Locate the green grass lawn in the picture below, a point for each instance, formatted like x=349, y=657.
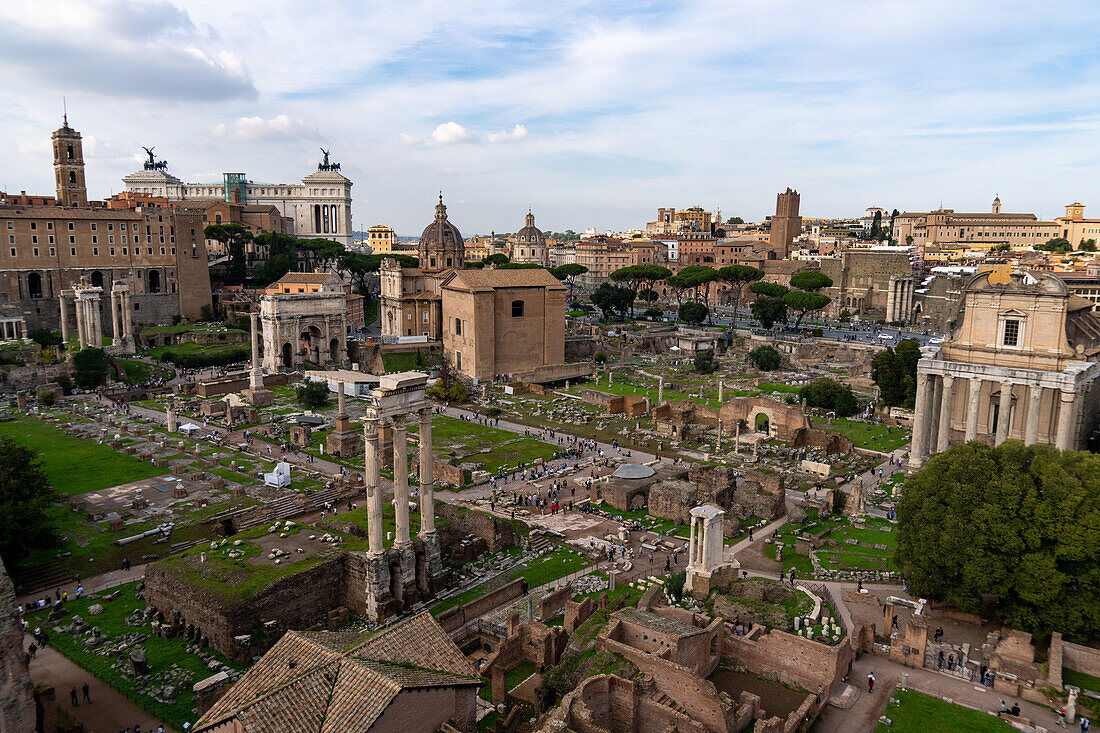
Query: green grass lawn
x=237, y=348
x=918, y=713
x=75, y=465
x=864, y=435
x=409, y=361
x=1080, y=679
x=139, y=371
x=162, y=655
x=465, y=441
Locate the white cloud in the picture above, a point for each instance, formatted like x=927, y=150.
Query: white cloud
x=411, y=140
x=519, y=132
x=452, y=132
x=257, y=129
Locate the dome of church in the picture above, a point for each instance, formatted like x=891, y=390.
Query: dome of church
x=530, y=235
x=441, y=235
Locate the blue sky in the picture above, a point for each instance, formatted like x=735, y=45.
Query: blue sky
x=590, y=113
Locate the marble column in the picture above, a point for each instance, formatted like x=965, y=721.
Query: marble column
x=256, y=376
x=973, y=408
x=400, y=480
x=127, y=314
x=64, y=321
x=719, y=429
x=691, y=542
x=1065, y=420
x=1035, y=403
x=921, y=419
x=374, y=489
x=1004, y=414
x=427, y=479
x=660, y=390
x=721, y=391
x=81, y=322
x=97, y=315
x=943, y=437
x=116, y=337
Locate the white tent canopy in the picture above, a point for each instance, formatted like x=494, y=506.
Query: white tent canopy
x=190, y=428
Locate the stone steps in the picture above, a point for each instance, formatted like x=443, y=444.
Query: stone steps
x=46, y=576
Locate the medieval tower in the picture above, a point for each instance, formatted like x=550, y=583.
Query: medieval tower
x=68, y=166
x=786, y=225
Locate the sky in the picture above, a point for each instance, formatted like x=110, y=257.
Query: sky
x=591, y=114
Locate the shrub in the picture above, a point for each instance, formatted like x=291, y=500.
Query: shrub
x=90, y=367
x=652, y=313
x=674, y=586
x=600, y=357
x=829, y=394
x=312, y=393
x=765, y=358
x=177, y=319
x=47, y=398
x=454, y=392
x=845, y=316
x=46, y=337
x=693, y=312
x=817, y=332
x=65, y=383
x=705, y=363
x=200, y=359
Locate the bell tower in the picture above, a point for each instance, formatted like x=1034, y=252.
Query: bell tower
x=68, y=166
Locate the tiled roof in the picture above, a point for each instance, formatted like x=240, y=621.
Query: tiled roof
x=488, y=279
x=305, y=277
x=340, y=681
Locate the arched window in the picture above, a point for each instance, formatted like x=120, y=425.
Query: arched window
x=517, y=309
x=217, y=218
x=72, y=177
x=69, y=152
x=34, y=285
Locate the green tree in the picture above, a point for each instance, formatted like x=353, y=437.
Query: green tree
x=324, y=253
x=25, y=499
x=771, y=290
x=1020, y=523
x=1058, y=245
x=312, y=393
x=90, y=367
x=611, y=298
x=765, y=358
x=811, y=280
x=693, y=312
x=496, y=260
x=46, y=337
x=737, y=276
x=282, y=256
x=636, y=276
x=359, y=268
x=735, y=220
x=1087, y=245
x=769, y=310
x=705, y=363
x=568, y=274
x=876, y=226
x=803, y=301
x=648, y=295
x=829, y=394
x=895, y=373
x=234, y=237
x=521, y=266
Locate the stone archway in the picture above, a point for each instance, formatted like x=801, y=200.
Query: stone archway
x=762, y=423
x=288, y=355
x=333, y=349
x=309, y=344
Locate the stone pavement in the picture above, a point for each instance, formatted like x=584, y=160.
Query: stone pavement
x=110, y=711
x=92, y=584
x=863, y=715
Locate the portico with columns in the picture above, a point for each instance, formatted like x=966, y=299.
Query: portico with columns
x=85, y=298
x=1022, y=365
x=707, y=566
x=411, y=569
x=122, y=323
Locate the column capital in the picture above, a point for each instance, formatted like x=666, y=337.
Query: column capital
x=1067, y=395
x=948, y=380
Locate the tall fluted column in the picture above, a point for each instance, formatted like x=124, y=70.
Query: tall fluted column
x=374, y=490
x=256, y=377
x=1035, y=403
x=921, y=419
x=943, y=438
x=660, y=390
x=972, y=409
x=691, y=542
x=1065, y=420
x=115, y=336
x=400, y=480
x=97, y=339
x=64, y=321
x=427, y=477
x=1004, y=413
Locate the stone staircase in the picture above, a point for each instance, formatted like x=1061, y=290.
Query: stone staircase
x=286, y=507
x=667, y=701
x=541, y=544
x=45, y=576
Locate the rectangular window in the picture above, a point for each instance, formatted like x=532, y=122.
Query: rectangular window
x=72, y=239
x=112, y=251
x=72, y=251
x=35, y=251
x=95, y=251
x=11, y=239
x=425, y=317
x=72, y=226
x=34, y=239
x=123, y=251
x=1012, y=333
x=93, y=226
x=52, y=251
x=34, y=225
x=95, y=239
x=13, y=251
x=50, y=238
x=124, y=239
x=110, y=227
x=110, y=239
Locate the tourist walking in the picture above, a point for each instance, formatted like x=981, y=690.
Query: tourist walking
x=85, y=692
x=76, y=701
x=870, y=682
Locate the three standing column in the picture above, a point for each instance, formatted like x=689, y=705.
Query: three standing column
x=1035, y=403
x=1065, y=421
x=921, y=421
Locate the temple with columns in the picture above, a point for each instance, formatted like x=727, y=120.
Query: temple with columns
x=1020, y=364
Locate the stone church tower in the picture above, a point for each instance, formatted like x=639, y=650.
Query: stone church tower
x=68, y=166
x=441, y=246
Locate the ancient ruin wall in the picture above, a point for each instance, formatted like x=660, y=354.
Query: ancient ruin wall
x=792, y=660
x=496, y=532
